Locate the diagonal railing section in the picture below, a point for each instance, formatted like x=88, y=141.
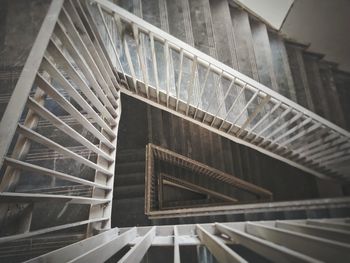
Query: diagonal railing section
x=65, y=104
x=168, y=73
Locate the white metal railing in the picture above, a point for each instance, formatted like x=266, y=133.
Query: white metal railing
x=83, y=56
x=322, y=240
x=68, y=85
x=168, y=73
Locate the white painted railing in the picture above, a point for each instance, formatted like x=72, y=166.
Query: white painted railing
x=68, y=84
x=84, y=55
x=325, y=240
x=168, y=73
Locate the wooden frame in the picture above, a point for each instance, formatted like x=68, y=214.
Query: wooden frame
x=155, y=181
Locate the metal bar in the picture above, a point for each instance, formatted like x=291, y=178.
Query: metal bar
x=55, y=74
x=111, y=40
x=127, y=54
x=316, y=143
x=32, y=135
x=22, y=146
x=296, y=117
x=243, y=110
x=334, y=149
x=167, y=71
x=65, y=104
x=290, y=131
x=221, y=252
x=24, y=84
x=280, y=117
x=76, y=249
x=136, y=253
x=44, y=171
x=79, y=44
x=192, y=81
x=155, y=67
x=233, y=105
x=104, y=251
x=177, y=256
x=337, y=160
x=223, y=101
x=47, y=230
x=85, y=14
x=78, y=59
x=179, y=79
x=329, y=158
x=96, y=211
x=15, y=197
x=267, y=249
x=44, y=113
x=268, y=114
x=217, y=84
x=202, y=90
x=321, y=144
x=141, y=57
x=85, y=36
x=302, y=243
x=59, y=57
x=333, y=234
x=254, y=114
x=328, y=224
x=297, y=136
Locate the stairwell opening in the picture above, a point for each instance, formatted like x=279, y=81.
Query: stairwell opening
x=142, y=124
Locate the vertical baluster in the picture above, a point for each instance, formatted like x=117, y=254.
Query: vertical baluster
x=155, y=67
x=141, y=57
x=127, y=52
x=271, y=111
x=191, y=86
x=179, y=78
x=233, y=105
x=223, y=100
x=111, y=39
x=217, y=84
x=202, y=90
x=243, y=110
x=167, y=70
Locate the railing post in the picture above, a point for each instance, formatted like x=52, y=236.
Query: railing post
x=24, y=84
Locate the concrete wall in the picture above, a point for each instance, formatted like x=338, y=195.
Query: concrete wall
x=325, y=24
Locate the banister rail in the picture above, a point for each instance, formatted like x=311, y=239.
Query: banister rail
x=170, y=74
x=68, y=83
x=24, y=84
x=85, y=54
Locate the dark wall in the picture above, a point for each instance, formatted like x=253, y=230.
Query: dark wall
x=141, y=124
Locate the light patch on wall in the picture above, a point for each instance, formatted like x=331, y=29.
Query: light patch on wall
x=272, y=12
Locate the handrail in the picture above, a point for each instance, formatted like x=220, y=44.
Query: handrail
x=272, y=123
x=215, y=64
x=24, y=84
x=66, y=77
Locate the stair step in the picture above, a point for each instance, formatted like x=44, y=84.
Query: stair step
x=130, y=167
x=130, y=191
x=129, y=179
x=131, y=155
